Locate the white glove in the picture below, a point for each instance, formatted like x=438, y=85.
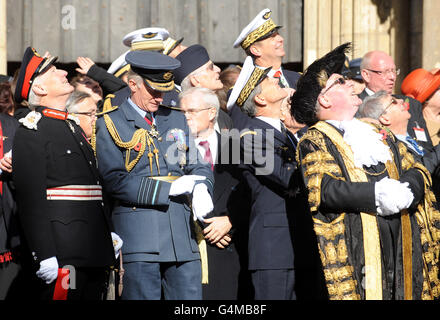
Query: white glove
x=184, y=184
x=117, y=243
x=392, y=196
x=201, y=202
x=48, y=270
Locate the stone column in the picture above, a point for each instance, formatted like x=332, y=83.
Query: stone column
x=368, y=24
x=431, y=31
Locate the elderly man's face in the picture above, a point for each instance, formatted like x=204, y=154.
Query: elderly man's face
x=342, y=97
x=272, y=92
x=200, y=117
x=86, y=113
x=209, y=76
x=395, y=112
x=145, y=97
x=381, y=73
x=55, y=82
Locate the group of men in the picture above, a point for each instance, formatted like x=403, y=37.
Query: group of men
x=185, y=200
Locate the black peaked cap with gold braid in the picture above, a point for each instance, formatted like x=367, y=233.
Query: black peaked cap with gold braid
x=156, y=68
x=313, y=80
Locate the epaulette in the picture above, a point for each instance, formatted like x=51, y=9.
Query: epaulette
x=248, y=132
x=31, y=120
x=107, y=107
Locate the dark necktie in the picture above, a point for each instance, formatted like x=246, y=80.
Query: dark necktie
x=416, y=146
x=286, y=134
x=149, y=118
x=208, y=155
x=278, y=76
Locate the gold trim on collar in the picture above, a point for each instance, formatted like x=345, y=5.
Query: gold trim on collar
x=262, y=30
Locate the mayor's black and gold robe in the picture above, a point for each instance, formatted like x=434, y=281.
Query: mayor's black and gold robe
x=364, y=255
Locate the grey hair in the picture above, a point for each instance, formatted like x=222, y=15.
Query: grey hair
x=186, y=82
x=249, y=105
x=372, y=106
x=365, y=63
x=131, y=75
x=33, y=99
x=207, y=95
x=75, y=98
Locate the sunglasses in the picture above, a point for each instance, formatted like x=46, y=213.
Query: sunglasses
x=342, y=80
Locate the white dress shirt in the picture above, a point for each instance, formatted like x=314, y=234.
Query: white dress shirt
x=213, y=145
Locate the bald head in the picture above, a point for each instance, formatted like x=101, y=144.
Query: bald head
x=378, y=71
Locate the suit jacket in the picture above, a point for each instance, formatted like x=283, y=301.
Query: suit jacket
x=9, y=233
x=291, y=77
x=224, y=266
x=56, y=154
x=270, y=227
x=416, y=120
x=154, y=226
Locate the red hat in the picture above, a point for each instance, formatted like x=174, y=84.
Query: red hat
x=420, y=84
x=31, y=66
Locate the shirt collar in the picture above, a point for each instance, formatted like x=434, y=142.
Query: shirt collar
x=276, y=123
x=368, y=91
x=135, y=107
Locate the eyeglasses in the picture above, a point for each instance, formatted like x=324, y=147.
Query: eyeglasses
x=392, y=103
x=91, y=114
x=194, y=111
x=341, y=81
x=386, y=72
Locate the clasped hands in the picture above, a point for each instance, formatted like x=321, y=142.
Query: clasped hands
x=392, y=196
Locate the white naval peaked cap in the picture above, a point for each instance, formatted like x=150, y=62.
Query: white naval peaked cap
x=261, y=26
x=146, y=39
x=250, y=76
x=119, y=66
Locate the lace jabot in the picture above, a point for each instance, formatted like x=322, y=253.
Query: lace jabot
x=365, y=142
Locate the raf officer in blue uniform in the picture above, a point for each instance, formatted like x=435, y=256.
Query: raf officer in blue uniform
x=153, y=171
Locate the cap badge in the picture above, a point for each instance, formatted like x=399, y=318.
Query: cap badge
x=167, y=76
x=36, y=53
x=267, y=15
x=149, y=35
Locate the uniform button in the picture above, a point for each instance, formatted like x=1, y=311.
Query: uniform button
x=97, y=182
x=81, y=143
x=169, y=173
x=160, y=138
x=102, y=203
x=288, y=168
x=166, y=156
x=90, y=162
x=68, y=152
x=134, y=208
